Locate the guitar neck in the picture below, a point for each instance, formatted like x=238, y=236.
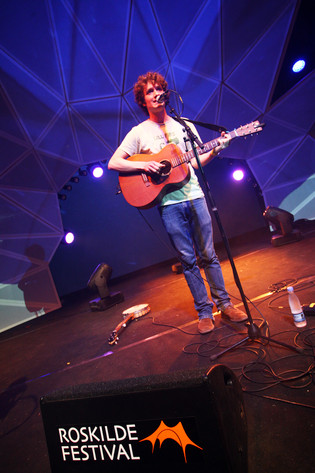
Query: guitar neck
x=187, y=157
x=114, y=335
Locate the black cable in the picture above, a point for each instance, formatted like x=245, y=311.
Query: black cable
x=289, y=378
x=286, y=401
x=266, y=370
x=282, y=291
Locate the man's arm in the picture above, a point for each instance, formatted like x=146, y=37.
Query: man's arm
x=207, y=157
x=119, y=162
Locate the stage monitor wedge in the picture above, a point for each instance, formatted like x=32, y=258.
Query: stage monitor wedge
x=185, y=421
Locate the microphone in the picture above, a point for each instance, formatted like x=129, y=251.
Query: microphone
x=163, y=96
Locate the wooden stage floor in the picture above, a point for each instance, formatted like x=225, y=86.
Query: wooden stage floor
x=70, y=347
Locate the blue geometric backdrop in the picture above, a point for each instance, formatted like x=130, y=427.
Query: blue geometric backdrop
x=67, y=72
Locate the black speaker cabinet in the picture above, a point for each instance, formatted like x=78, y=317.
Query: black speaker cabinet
x=188, y=421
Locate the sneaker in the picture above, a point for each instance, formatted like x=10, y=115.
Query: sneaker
x=205, y=325
x=233, y=314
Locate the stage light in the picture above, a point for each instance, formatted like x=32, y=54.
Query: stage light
x=99, y=280
x=62, y=196
x=238, y=174
x=75, y=179
x=82, y=172
x=282, y=221
x=298, y=66
x=96, y=170
x=67, y=187
x=69, y=238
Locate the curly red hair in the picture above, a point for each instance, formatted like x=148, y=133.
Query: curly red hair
x=140, y=85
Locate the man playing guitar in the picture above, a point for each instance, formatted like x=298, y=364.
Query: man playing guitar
x=182, y=205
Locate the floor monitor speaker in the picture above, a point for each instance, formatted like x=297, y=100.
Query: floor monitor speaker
x=183, y=422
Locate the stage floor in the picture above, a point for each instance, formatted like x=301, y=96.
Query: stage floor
x=70, y=347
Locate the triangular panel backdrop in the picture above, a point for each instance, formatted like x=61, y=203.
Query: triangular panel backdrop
x=67, y=73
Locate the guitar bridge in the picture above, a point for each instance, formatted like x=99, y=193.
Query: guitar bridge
x=145, y=179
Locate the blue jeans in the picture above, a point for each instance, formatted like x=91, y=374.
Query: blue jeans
x=189, y=227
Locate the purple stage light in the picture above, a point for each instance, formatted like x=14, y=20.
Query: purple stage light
x=238, y=174
x=69, y=238
x=97, y=171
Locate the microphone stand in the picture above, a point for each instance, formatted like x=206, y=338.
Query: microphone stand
x=254, y=331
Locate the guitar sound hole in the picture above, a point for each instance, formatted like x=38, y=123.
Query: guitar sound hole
x=163, y=174
x=166, y=169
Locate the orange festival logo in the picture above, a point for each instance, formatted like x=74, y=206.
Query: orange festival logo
x=177, y=433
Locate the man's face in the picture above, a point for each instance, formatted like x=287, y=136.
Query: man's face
x=151, y=93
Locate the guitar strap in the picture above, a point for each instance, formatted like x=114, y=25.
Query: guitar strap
x=210, y=126
x=165, y=132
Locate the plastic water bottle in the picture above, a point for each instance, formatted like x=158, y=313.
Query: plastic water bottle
x=296, y=309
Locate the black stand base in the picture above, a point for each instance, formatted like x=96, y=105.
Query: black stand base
x=254, y=333
x=278, y=240
x=107, y=302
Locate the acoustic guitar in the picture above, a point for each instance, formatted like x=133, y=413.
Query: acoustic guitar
x=144, y=190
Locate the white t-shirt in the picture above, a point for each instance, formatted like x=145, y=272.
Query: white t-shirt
x=150, y=137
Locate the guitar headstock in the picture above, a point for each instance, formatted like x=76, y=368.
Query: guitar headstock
x=250, y=128
x=113, y=338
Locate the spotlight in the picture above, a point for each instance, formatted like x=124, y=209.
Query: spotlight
x=62, y=196
x=82, y=172
x=69, y=238
x=99, y=280
x=282, y=221
x=96, y=170
x=238, y=175
x=67, y=187
x=298, y=66
x=75, y=179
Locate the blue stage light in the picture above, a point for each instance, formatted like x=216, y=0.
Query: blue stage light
x=96, y=171
x=298, y=65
